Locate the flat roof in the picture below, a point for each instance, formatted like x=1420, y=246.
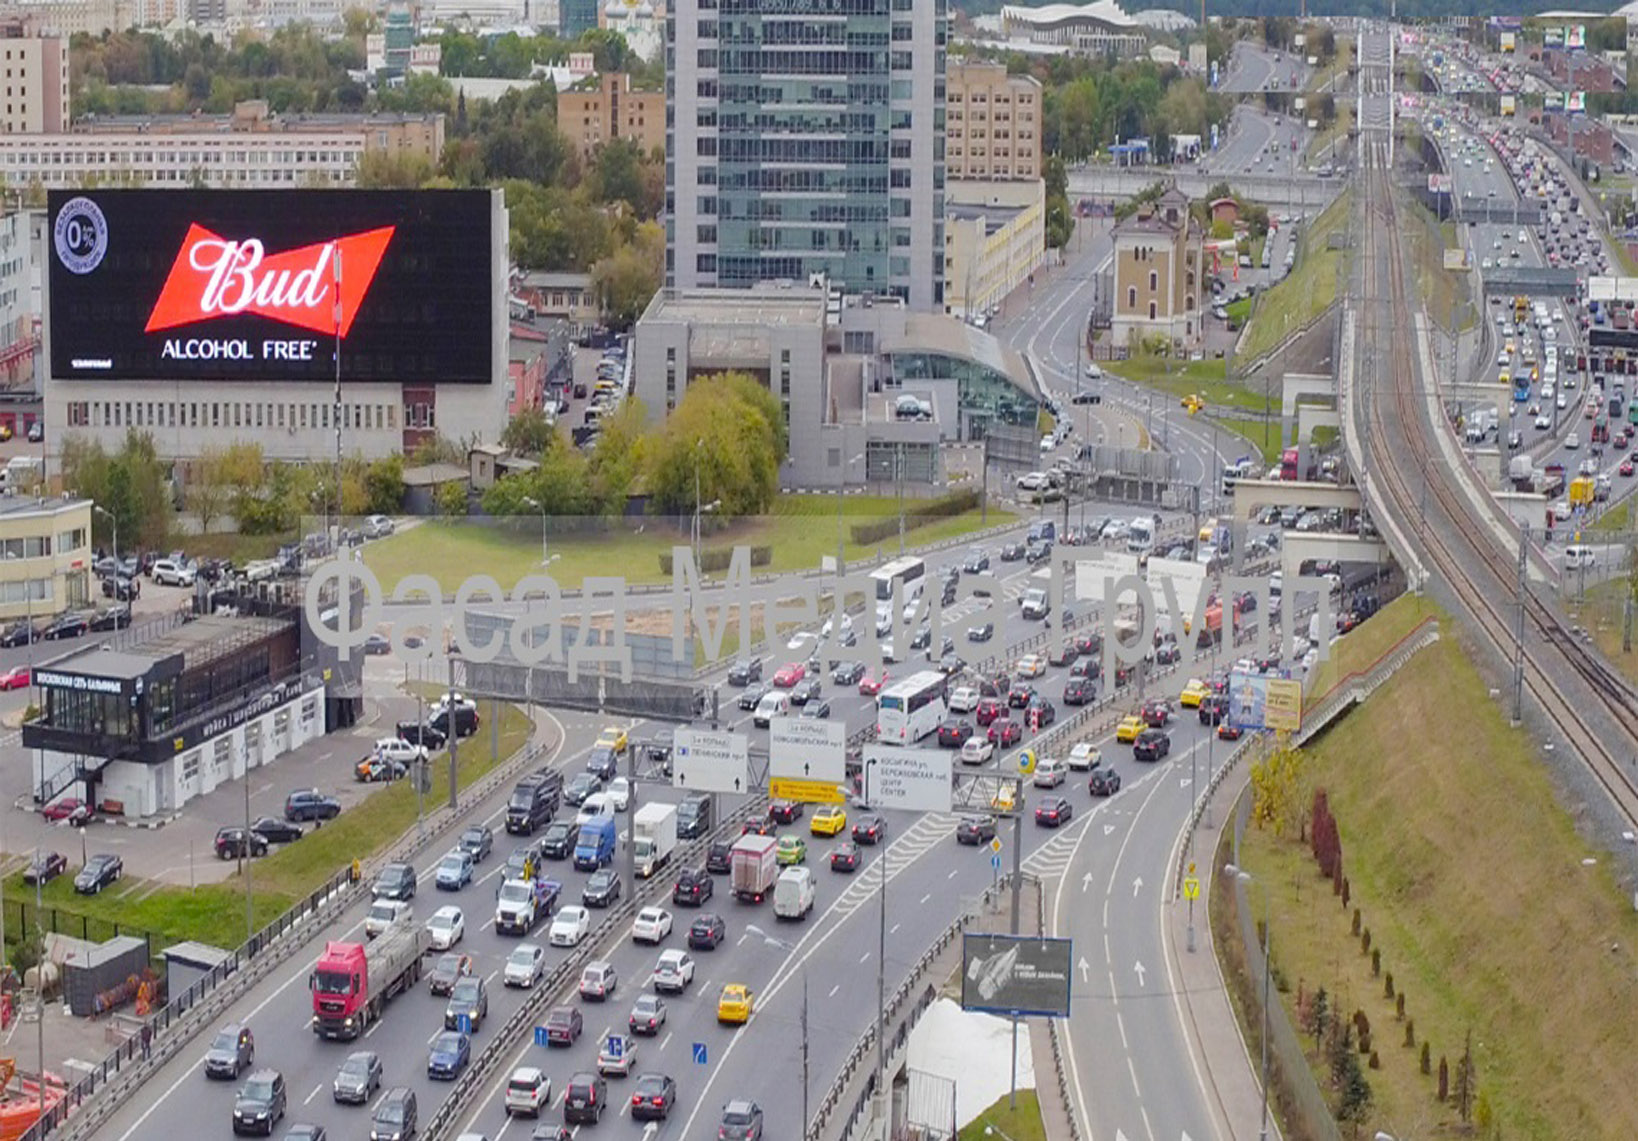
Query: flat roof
x=797, y=305
x=34, y=505
x=101, y=662
x=205, y=639
x=993, y=217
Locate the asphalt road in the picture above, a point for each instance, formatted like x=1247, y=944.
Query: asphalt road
x=1258, y=143
x=1254, y=68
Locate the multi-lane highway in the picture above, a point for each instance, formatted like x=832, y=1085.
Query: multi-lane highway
x=1254, y=67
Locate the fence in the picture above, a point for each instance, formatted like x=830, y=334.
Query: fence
x=89, y=1102
x=21, y=915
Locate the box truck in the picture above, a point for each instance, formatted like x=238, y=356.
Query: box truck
x=654, y=833
x=753, y=866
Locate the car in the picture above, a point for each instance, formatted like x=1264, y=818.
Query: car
x=982, y=632
x=870, y=830
x=763, y=827
x=953, y=732
x=231, y=843
x=1151, y=745
x=816, y=709
x=1079, y=691
x=1006, y=732
x=870, y=686
x=847, y=673
x=564, y=1026
x=310, y=804
x=114, y=617
x=446, y=927
x=231, y=1052
x=673, y=972
x=1129, y=728
x=451, y=968
x=791, y=850
x=741, y=1121
x=598, y=980
x=1103, y=781
x=454, y=870
x=977, y=751
x=602, y=888
x=1193, y=691
x=807, y=690
x=745, y=672
x=121, y=588
x=753, y=695
x=448, y=1055
x=477, y=841
x=602, y=762
x=828, y=820
x=570, y=925
x=581, y=786
x=648, y=1015
x=1228, y=731
x=988, y=711
x=260, y=1103
x=528, y=1091
x=652, y=1097
x=615, y=738
x=706, y=932
x=1040, y=712
x=469, y=1000
x=734, y=1004
x=99, y=872
x=525, y=965
x=585, y=1098
x=44, y=867
x=964, y=699
x=785, y=811
x=787, y=675
x=693, y=887
x=619, y=791
x=394, y=1117
x=358, y=1078
x=975, y=830
x=652, y=925
x=845, y=857
x=1020, y=695
x=1031, y=666
x=68, y=626
x=1156, y=712
x=719, y=858
x=1053, y=811
x=15, y=678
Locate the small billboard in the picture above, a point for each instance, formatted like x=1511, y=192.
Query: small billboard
x=1575, y=37
x=1264, y=701
x=1509, y=42
x=1016, y=974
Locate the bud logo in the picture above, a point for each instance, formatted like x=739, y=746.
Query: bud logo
x=215, y=277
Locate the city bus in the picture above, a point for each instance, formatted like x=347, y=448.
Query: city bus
x=1521, y=387
x=902, y=571
x=911, y=709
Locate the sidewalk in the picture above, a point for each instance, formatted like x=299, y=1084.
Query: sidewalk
x=1219, y=1053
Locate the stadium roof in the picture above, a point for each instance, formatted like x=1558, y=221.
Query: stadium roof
x=1101, y=11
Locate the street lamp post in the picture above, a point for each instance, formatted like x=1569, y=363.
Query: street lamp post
x=109, y=515
x=790, y=948
x=881, y=958
x=1268, y=948
x=841, y=542
x=540, y=507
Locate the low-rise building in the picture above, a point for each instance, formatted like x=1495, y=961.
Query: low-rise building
x=602, y=108
x=45, y=556
x=1100, y=28
x=1158, y=272
x=992, y=123
x=994, y=240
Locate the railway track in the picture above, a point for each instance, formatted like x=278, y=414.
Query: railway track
x=1477, y=569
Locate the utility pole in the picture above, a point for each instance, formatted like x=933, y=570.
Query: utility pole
x=454, y=738
x=1518, y=628
x=1017, y=888
x=244, y=853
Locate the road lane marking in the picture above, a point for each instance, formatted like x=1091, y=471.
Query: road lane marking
x=316, y=1090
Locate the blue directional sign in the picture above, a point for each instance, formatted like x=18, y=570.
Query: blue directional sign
x=995, y=862
x=540, y=1037
x=615, y=1047
x=463, y=1023
x=699, y=1053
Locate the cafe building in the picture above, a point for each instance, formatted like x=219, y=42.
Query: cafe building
x=140, y=729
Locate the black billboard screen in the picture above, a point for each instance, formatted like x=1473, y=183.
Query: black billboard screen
x=228, y=285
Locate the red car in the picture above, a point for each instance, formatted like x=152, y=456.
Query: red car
x=1625, y=469
x=871, y=686
x=1005, y=731
x=1156, y=712
x=988, y=710
x=17, y=676
x=1227, y=731
x=789, y=674
x=69, y=808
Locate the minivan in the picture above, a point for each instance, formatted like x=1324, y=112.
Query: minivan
x=1579, y=557
x=1042, y=529
x=694, y=816
x=394, y=1118
x=793, y=893
x=534, y=802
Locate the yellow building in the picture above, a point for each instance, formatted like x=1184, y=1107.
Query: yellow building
x=1158, y=272
x=604, y=107
x=45, y=556
x=994, y=239
x=992, y=123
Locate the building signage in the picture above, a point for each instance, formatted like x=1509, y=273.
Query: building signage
x=284, y=692
x=262, y=285
x=51, y=679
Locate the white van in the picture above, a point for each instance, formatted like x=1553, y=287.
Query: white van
x=776, y=704
x=595, y=805
x=793, y=894
x=1579, y=557
x=1140, y=536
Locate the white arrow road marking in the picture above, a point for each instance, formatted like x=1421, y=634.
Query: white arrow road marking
x=1185, y=782
x=1085, y=967
x=1137, y=886
x=1119, y=1136
x=1108, y=828
x=653, y=1127
x=1086, y=882
x=1138, y=967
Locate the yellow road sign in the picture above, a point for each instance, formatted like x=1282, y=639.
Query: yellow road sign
x=1191, y=887
x=805, y=791
x=1026, y=762
x=995, y=844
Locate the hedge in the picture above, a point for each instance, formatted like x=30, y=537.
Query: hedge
x=920, y=514
x=716, y=561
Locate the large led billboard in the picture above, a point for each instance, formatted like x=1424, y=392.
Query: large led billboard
x=226, y=285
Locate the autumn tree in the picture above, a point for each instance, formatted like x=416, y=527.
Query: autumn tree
x=132, y=485
x=729, y=433
x=627, y=279
x=1277, y=787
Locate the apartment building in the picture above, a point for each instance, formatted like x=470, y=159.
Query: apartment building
x=601, y=108
x=993, y=123
x=1159, y=262
x=35, y=81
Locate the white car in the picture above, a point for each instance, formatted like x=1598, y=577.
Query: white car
x=170, y=572
x=447, y=926
x=525, y=965
x=398, y=749
x=1084, y=756
x=1562, y=401
x=528, y=1092
x=963, y=699
x=976, y=750
x=569, y=926
x=377, y=526
x=674, y=972
x=1544, y=422
x=619, y=791
x=652, y=926
x=1572, y=441
x=595, y=805
x=1031, y=666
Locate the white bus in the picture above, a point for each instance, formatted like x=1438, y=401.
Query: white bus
x=906, y=571
x=911, y=709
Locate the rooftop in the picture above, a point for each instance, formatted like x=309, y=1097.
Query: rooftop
x=994, y=217
x=936, y=333
x=1099, y=11
x=200, y=642
x=776, y=305
x=29, y=505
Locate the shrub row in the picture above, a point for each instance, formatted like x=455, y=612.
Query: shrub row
x=716, y=561
x=919, y=514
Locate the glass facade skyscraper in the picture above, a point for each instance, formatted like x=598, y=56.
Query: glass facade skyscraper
x=807, y=137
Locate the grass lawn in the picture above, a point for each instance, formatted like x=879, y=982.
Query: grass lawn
x=1443, y=291
x=802, y=530
x=1602, y=614
x=1238, y=311
x=1491, y=912
x=1359, y=649
x=1239, y=437
x=1326, y=135
x=1307, y=291
x=215, y=913
x=231, y=545
x=1021, y=1124
x=1207, y=378
x=1617, y=518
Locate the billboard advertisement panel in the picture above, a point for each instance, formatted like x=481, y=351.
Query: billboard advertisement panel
x=1575, y=37
x=1575, y=102
x=1552, y=37
x=1509, y=104
x=1016, y=974
x=1264, y=701
x=226, y=285
x=1509, y=41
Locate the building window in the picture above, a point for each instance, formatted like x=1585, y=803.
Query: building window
x=1131, y=297
x=1152, y=311
x=1154, y=281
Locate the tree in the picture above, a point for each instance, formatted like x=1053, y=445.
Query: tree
x=528, y=433
x=1466, y=1081
x=207, y=492
x=617, y=461
x=728, y=429
x=384, y=484
x=451, y=498
x=379, y=170
x=627, y=279
x=132, y=485
x=1355, y=1103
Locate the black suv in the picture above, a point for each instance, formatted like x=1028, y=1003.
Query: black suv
x=745, y=671
x=693, y=887
x=310, y=804
x=395, y=881
x=422, y=733
x=260, y=1104
x=719, y=859
x=558, y=843
x=585, y=1098
x=394, y=1118
x=694, y=816
x=1151, y=745
x=230, y=843
x=466, y=720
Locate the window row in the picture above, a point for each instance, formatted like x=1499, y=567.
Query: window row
x=228, y=414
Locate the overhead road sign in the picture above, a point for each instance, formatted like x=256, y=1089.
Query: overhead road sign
x=1016, y=974
x=807, y=749
x=705, y=760
x=914, y=779
x=806, y=791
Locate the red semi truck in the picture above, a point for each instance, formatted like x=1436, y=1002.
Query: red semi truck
x=351, y=982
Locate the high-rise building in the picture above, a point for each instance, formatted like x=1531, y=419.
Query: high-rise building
x=577, y=17
x=36, y=82
x=807, y=138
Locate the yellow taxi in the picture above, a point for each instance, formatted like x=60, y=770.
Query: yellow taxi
x=829, y=820
x=1004, y=799
x=1129, y=728
x=1032, y=665
x=735, y=1004
x=1192, y=693
x=614, y=738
